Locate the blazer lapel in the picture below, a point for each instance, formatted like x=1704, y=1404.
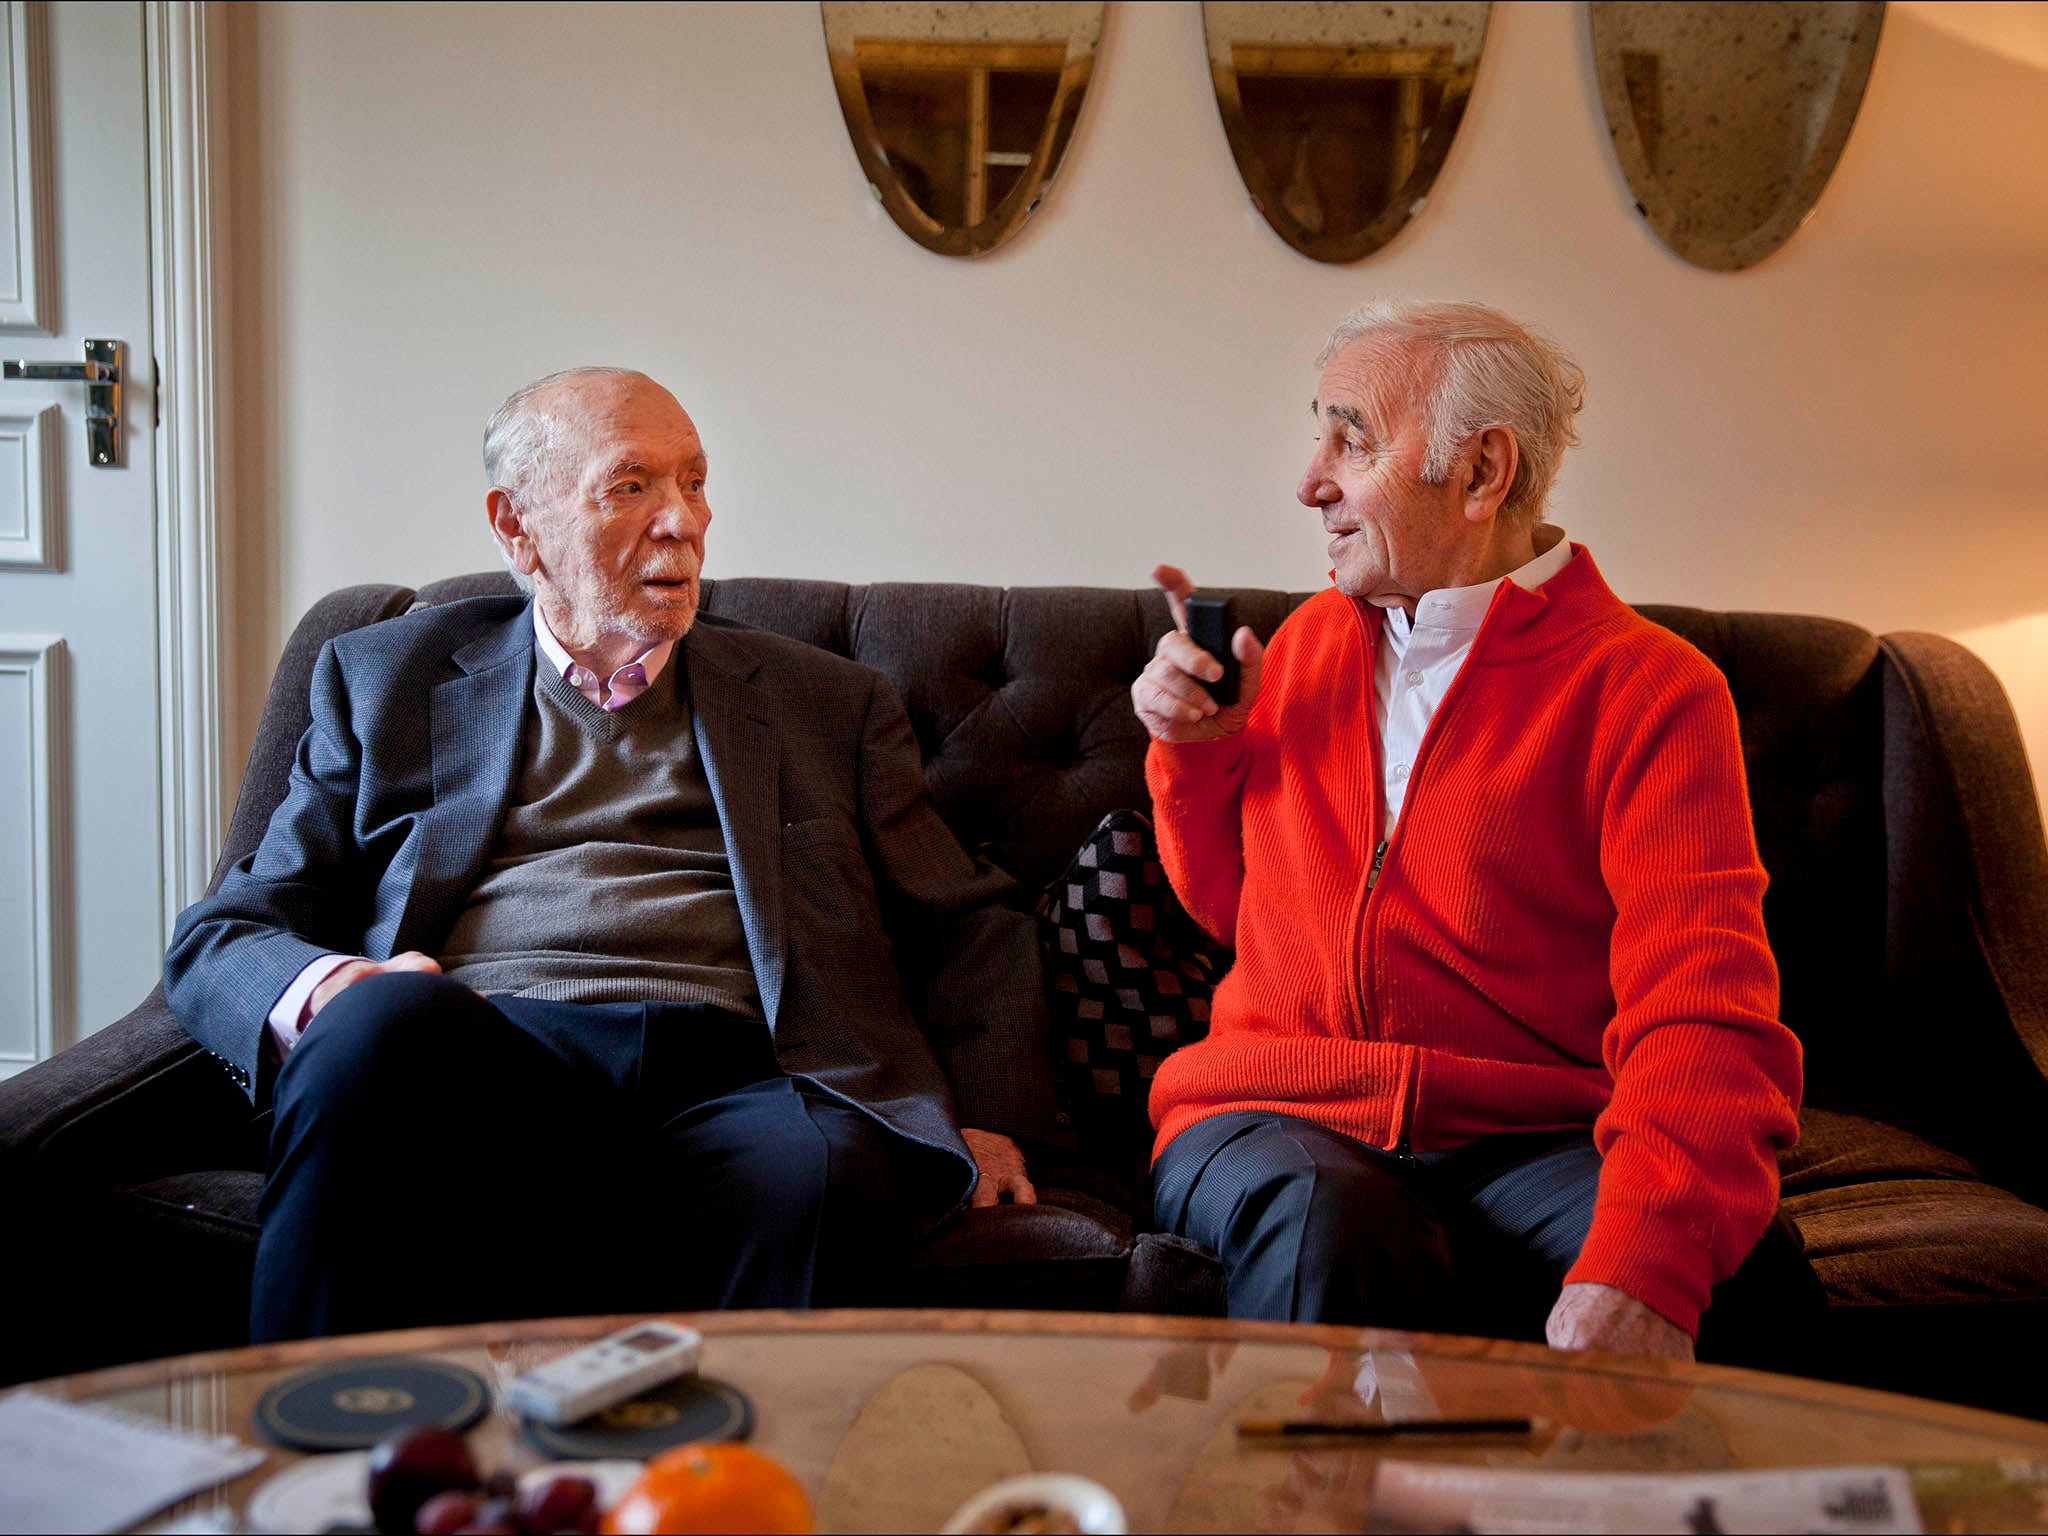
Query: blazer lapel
x=477, y=722
x=739, y=736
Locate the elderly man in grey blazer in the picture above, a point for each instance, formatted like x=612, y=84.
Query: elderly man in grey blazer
x=603, y=956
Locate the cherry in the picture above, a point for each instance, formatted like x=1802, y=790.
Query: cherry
x=446, y=1513
x=559, y=1504
x=409, y=1468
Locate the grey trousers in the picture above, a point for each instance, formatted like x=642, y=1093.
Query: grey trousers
x=1313, y=1226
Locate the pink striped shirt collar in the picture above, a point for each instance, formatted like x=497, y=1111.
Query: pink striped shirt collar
x=614, y=692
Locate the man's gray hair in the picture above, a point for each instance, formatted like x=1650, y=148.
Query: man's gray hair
x=520, y=436
x=1478, y=368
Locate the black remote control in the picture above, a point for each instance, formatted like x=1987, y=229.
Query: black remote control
x=1211, y=623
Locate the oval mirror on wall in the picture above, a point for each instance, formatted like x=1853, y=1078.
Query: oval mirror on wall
x=1339, y=115
x=1728, y=119
x=960, y=112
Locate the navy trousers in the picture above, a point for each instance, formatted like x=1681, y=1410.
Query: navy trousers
x=438, y=1158
x=1314, y=1226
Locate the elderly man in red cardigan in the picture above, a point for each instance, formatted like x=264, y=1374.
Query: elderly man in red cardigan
x=1500, y=1051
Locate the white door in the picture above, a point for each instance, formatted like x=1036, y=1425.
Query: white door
x=81, y=881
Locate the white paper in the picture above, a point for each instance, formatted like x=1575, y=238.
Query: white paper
x=73, y=1467
x=198, y=1522
x=1438, y=1496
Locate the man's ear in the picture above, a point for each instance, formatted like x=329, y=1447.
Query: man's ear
x=1495, y=455
x=508, y=528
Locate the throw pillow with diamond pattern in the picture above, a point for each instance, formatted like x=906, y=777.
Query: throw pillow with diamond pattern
x=1128, y=977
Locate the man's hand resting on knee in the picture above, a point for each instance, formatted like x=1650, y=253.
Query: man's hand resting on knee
x=1589, y=1316
x=345, y=976
x=1002, y=1169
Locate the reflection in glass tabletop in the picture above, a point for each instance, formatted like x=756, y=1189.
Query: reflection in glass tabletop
x=891, y=1420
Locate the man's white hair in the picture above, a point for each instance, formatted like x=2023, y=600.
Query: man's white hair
x=1478, y=368
x=519, y=440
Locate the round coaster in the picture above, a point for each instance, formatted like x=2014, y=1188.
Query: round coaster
x=689, y=1408
x=355, y=1403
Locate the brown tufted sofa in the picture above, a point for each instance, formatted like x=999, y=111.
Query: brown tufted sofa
x=1908, y=908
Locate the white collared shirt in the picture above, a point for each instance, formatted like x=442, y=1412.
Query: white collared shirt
x=1419, y=657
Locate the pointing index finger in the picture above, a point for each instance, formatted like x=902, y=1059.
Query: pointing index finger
x=1173, y=581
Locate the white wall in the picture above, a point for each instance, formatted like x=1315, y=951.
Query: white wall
x=437, y=203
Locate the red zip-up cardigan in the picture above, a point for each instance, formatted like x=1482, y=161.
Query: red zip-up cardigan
x=1564, y=928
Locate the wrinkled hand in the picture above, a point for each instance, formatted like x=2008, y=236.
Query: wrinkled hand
x=1002, y=1169
x=346, y=976
x=1589, y=1316
x=1168, y=695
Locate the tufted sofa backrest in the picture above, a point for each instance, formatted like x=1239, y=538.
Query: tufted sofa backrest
x=1020, y=702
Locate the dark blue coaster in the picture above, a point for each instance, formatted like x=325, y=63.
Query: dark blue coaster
x=688, y=1408
x=356, y=1403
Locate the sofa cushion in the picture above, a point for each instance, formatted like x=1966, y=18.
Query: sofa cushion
x=174, y=1260
x=1175, y=1276
x=1070, y=1252
x=1837, y=1149
x=1923, y=1241
x=1889, y=1218
x=1044, y=1257
x=222, y=1197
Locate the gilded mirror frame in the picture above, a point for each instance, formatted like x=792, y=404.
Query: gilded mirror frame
x=1413, y=192
x=1802, y=194
x=1076, y=63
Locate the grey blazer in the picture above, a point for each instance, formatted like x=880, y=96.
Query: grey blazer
x=891, y=972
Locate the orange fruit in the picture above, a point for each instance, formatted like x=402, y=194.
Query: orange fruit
x=697, y=1488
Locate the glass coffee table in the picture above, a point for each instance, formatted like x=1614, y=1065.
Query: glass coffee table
x=891, y=1420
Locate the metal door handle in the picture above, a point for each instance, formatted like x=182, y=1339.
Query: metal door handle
x=16, y=368
x=101, y=373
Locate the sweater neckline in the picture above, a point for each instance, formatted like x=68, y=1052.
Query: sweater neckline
x=667, y=695
x=1521, y=624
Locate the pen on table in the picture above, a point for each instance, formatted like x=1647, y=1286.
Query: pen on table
x=1357, y=1429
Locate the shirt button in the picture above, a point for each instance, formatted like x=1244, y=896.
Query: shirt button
x=1400, y=770
x=1414, y=679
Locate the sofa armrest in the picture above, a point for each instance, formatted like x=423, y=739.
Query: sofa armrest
x=1968, y=901
x=138, y=1100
